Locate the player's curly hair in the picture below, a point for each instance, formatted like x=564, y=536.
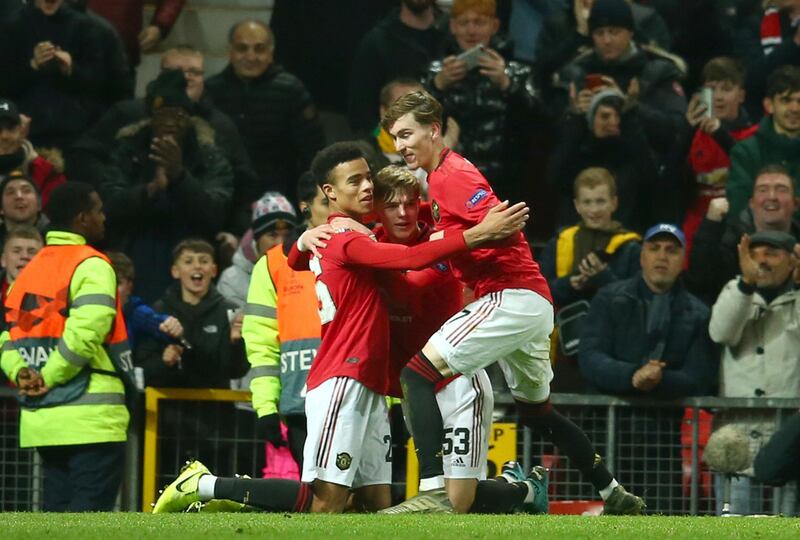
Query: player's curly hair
x=335, y=154
x=392, y=179
x=425, y=108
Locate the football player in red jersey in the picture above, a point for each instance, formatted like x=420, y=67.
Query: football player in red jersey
x=362, y=433
x=419, y=303
x=509, y=322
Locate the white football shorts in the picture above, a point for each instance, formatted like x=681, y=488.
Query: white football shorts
x=511, y=327
x=349, y=442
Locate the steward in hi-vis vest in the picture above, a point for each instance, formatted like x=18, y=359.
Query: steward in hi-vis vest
x=66, y=347
x=281, y=330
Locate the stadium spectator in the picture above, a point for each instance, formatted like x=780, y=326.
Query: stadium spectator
x=19, y=247
x=779, y=46
x=605, y=130
x=282, y=321
x=708, y=137
x=272, y=109
x=273, y=217
x=649, y=77
x=595, y=252
x=483, y=93
x=216, y=352
x=648, y=336
x=757, y=320
x=399, y=46
x=166, y=180
x=21, y=205
x=57, y=69
x=126, y=17
x=77, y=356
x=17, y=154
x=140, y=319
x=565, y=31
x=94, y=147
x=776, y=141
x=714, y=259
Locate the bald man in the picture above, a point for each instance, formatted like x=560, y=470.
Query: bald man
x=271, y=107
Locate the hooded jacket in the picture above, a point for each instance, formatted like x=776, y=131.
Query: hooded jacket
x=234, y=282
x=212, y=361
x=147, y=228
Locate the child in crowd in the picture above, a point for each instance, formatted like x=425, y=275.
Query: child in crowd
x=20, y=246
x=596, y=251
x=711, y=136
x=209, y=323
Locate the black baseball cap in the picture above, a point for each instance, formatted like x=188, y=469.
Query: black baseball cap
x=9, y=112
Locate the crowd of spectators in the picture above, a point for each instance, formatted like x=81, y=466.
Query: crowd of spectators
x=657, y=142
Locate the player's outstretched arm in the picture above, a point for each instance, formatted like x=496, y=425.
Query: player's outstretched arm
x=500, y=222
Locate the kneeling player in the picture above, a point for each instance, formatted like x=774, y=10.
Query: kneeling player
x=348, y=431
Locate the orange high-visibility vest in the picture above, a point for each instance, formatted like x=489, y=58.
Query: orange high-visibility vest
x=299, y=329
x=37, y=309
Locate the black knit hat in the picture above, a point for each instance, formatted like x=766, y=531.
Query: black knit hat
x=168, y=90
x=17, y=174
x=610, y=13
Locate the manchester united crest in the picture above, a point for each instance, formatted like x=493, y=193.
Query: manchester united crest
x=343, y=461
x=435, y=210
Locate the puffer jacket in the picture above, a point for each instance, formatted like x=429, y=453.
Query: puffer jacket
x=234, y=282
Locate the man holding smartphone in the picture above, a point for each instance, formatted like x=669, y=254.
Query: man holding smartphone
x=477, y=86
x=649, y=77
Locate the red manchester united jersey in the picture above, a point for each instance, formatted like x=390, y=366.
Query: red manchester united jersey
x=419, y=303
x=460, y=197
x=354, y=317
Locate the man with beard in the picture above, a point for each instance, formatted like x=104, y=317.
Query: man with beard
x=167, y=181
x=757, y=320
x=400, y=46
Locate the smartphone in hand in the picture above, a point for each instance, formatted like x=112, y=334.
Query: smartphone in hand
x=471, y=56
x=707, y=99
x=593, y=80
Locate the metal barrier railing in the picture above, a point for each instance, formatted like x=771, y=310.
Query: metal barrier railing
x=653, y=447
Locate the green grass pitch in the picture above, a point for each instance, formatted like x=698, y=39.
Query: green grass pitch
x=129, y=526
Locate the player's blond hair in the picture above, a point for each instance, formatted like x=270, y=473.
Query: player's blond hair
x=481, y=7
x=392, y=180
x=593, y=177
x=425, y=108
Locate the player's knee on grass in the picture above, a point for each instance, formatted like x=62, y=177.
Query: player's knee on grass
x=461, y=492
x=329, y=498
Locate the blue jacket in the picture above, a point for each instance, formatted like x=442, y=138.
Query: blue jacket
x=614, y=343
